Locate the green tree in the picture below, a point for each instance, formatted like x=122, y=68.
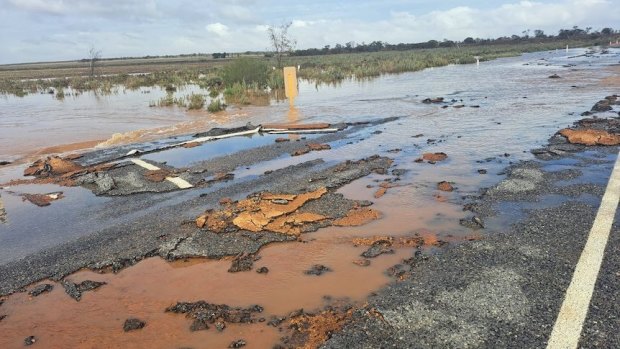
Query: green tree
x=281, y=42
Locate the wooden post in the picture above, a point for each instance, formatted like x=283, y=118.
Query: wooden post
x=290, y=84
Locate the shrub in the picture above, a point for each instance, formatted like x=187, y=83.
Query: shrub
x=249, y=71
x=196, y=101
x=167, y=101
x=216, y=105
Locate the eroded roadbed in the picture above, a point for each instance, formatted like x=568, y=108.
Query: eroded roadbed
x=166, y=232
x=228, y=259
x=505, y=291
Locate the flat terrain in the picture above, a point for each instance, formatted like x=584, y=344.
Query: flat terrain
x=443, y=208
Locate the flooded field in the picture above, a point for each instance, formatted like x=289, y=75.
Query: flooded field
x=490, y=117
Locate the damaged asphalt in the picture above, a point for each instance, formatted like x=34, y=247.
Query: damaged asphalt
x=502, y=291
x=170, y=232
x=505, y=291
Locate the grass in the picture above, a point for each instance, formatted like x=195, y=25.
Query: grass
x=216, y=105
x=246, y=80
x=330, y=69
x=196, y=101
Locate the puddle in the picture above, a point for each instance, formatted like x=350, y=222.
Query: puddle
x=184, y=157
x=146, y=289
x=487, y=138
x=30, y=228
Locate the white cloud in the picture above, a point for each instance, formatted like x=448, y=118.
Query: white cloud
x=36, y=30
x=218, y=29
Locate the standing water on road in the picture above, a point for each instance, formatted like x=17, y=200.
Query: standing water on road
x=491, y=115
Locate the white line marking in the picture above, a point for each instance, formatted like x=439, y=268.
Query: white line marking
x=278, y=131
x=178, y=181
x=210, y=138
x=145, y=164
x=567, y=329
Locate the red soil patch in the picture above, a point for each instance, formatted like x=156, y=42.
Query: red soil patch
x=445, y=186
x=590, y=137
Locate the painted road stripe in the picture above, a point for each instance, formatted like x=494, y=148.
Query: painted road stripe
x=145, y=164
x=322, y=130
x=569, y=324
x=210, y=138
x=178, y=181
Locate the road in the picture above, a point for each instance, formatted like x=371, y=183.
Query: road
x=507, y=290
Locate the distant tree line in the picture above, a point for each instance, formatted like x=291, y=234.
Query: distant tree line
x=219, y=55
x=527, y=36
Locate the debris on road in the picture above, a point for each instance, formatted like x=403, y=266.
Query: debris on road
x=432, y=157
x=436, y=100
x=75, y=290
x=318, y=270
x=362, y=262
x=260, y=213
x=3, y=218
x=42, y=200
x=40, y=289
x=378, y=248
x=28, y=341
x=242, y=262
x=590, y=137
x=237, y=344
x=52, y=166
x=445, y=186
x=312, y=330
x=358, y=216
x=204, y=314
x=133, y=324
x=311, y=147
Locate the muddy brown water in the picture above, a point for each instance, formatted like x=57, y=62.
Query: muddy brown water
x=519, y=108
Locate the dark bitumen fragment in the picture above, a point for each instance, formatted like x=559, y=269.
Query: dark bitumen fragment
x=203, y=314
x=238, y=344
x=317, y=269
x=75, y=290
x=275, y=321
x=40, y=289
x=133, y=324
x=242, y=262
x=262, y=270
x=28, y=341
x=378, y=248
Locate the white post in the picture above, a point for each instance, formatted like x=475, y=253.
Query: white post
x=566, y=48
x=477, y=60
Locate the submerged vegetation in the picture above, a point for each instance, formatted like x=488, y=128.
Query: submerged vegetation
x=254, y=79
x=216, y=105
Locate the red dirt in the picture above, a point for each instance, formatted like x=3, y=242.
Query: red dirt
x=445, y=186
x=42, y=200
x=156, y=175
x=265, y=212
x=358, y=216
x=590, y=137
x=434, y=156
x=190, y=145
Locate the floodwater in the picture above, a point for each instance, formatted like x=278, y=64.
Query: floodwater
x=509, y=106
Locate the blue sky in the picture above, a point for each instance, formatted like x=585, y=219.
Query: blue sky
x=48, y=30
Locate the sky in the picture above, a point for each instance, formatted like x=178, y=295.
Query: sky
x=52, y=30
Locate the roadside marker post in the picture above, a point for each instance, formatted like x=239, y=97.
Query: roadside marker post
x=290, y=84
